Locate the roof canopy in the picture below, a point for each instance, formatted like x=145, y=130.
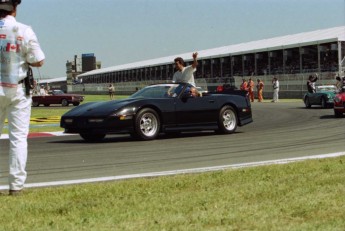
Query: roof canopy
x=277, y=43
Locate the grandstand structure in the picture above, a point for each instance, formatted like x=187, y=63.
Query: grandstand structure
x=290, y=58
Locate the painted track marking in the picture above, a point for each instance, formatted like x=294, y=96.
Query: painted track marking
x=176, y=172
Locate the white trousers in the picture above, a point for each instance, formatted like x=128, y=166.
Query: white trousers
x=275, y=95
x=17, y=110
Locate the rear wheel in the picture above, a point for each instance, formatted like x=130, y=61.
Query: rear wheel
x=147, y=124
x=35, y=103
x=64, y=102
x=89, y=137
x=227, y=121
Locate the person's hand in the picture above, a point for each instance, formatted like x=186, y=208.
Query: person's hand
x=195, y=55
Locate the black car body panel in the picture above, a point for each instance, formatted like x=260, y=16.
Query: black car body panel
x=179, y=112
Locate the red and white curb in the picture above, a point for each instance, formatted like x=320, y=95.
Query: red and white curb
x=39, y=134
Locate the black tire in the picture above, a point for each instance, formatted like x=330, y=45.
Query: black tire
x=147, y=124
x=35, y=103
x=76, y=104
x=307, y=102
x=338, y=114
x=64, y=102
x=90, y=137
x=46, y=104
x=227, y=120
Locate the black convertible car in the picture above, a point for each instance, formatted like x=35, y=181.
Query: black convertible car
x=166, y=108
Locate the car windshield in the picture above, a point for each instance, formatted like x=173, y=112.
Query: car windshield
x=159, y=91
x=325, y=88
x=56, y=92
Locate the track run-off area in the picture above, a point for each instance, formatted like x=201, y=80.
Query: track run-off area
x=281, y=132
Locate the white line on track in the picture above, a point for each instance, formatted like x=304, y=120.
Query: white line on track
x=182, y=171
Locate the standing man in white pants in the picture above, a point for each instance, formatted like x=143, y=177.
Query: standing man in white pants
x=19, y=49
x=275, y=84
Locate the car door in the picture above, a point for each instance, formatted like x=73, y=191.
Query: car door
x=316, y=98
x=193, y=111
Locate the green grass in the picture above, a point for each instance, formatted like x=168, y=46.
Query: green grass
x=299, y=196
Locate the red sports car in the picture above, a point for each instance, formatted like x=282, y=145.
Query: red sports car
x=57, y=97
x=339, y=104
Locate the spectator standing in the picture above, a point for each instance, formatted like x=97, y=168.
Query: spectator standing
x=244, y=85
x=111, y=90
x=275, y=85
x=260, y=89
x=23, y=51
x=250, y=87
x=185, y=74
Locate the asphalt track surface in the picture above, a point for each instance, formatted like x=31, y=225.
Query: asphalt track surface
x=279, y=130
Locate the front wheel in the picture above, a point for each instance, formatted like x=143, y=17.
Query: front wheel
x=307, y=102
x=227, y=121
x=76, y=103
x=90, y=137
x=323, y=103
x=147, y=124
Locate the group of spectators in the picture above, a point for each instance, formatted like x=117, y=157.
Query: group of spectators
x=249, y=87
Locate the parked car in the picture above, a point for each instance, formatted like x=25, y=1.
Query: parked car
x=57, y=97
x=166, y=108
x=339, y=104
x=323, y=96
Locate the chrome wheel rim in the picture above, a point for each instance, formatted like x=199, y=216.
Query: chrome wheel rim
x=148, y=124
x=229, y=120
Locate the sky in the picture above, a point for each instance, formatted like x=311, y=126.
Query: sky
x=127, y=31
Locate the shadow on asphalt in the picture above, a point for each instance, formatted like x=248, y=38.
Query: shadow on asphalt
x=127, y=138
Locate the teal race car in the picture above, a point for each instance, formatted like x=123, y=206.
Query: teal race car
x=324, y=96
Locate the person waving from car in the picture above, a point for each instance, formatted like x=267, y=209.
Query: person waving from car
x=185, y=74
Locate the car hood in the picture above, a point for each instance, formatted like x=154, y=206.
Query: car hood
x=341, y=95
x=99, y=108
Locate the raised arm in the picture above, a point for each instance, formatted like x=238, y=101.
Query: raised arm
x=195, y=60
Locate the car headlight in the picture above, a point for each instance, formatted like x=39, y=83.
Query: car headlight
x=337, y=99
x=125, y=114
x=330, y=96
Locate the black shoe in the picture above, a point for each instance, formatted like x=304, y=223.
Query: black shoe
x=15, y=192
